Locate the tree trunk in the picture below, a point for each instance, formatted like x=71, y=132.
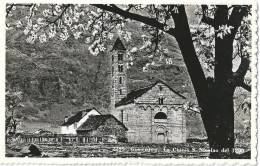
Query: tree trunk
x=221, y=106
x=215, y=97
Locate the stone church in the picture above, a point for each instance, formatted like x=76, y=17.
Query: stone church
x=152, y=114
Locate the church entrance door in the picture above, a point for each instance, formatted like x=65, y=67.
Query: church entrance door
x=161, y=138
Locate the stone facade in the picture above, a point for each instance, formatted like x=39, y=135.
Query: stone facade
x=150, y=122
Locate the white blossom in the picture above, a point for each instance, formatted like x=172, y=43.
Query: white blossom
x=26, y=31
x=94, y=32
x=46, y=12
x=145, y=69
x=52, y=32
x=110, y=36
x=77, y=35
x=127, y=36
x=166, y=51
x=134, y=49
x=68, y=20
x=64, y=35
x=168, y=61
x=31, y=38
x=42, y=38
x=19, y=24
x=36, y=27
x=87, y=40
x=40, y=21
x=58, y=8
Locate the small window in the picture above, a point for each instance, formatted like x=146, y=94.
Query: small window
x=120, y=80
x=120, y=68
x=112, y=58
x=120, y=57
x=161, y=88
x=160, y=100
x=120, y=91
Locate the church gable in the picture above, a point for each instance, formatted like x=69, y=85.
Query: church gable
x=152, y=94
x=160, y=94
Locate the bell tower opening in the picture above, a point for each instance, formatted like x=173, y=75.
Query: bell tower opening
x=118, y=72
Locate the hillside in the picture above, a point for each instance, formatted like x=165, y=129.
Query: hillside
x=58, y=78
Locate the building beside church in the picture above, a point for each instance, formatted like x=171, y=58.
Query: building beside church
x=153, y=114
x=71, y=124
x=90, y=123
x=103, y=126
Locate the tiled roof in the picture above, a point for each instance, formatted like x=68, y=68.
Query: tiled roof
x=139, y=92
x=94, y=121
x=76, y=117
x=118, y=45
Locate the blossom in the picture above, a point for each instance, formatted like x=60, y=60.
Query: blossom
x=26, y=31
x=77, y=35
x=42, y=38
x=18, y=24
x=87, y=40
x=58, y=8
x=94, y=32
x=64, y=35
x=145, y=69
x=68, y=20
x=46, y=12
x=168, y=61
x=134, y=49
x=31, y=38
x=40, y=21
x=52, y=32
x=36, y=27
x=110, y=36
x=127, y=36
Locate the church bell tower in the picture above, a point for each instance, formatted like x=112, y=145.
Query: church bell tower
x=118, y=72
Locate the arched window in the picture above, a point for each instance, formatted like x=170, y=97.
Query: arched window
x=160, y=115
x=161, y=88
x=120, y=80
x=120, y=68
x=120, y=57
x=160, y=100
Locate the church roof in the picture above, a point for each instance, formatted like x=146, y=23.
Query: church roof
x=77, y=117
x=139, y=92
x=118, y=45
x=94, y=121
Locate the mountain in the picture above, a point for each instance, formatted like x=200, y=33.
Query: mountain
x=58, y=78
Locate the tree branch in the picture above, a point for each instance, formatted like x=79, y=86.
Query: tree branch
x=8, y=9
x=146, y=20
x=243, y=68
x=239, y=75
x=60, y=16
x=245, y=86
x=205, y=18
x=236, y=17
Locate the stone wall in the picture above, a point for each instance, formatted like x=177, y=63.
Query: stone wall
x=139, y=117
x=110, y=127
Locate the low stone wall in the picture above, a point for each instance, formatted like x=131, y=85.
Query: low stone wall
x=61, y=138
